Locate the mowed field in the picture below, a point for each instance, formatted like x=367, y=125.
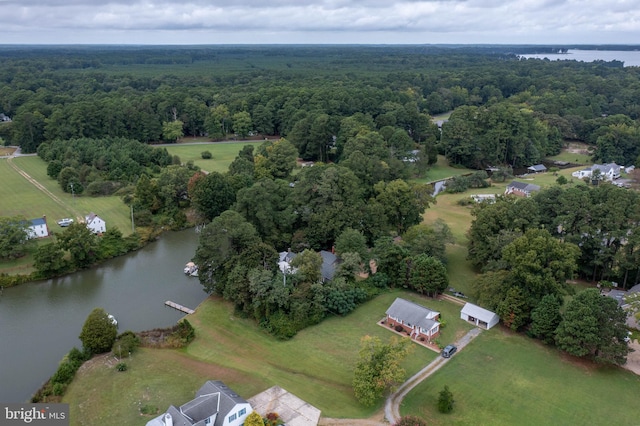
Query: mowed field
x=25, y=199
x=503, y=378
x=223, y=153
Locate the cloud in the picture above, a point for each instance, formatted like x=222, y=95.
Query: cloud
x=497, y=21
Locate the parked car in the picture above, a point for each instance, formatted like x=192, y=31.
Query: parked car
x=65, y=222
x=458, y=294
x=448, y=351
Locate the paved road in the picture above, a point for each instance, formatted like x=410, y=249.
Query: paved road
x=392, y=405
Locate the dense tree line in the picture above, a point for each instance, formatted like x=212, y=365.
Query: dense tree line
x=259, y=209
x=513, y=111
x=529, y=248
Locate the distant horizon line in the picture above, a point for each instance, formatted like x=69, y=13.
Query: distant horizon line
x=565, y=45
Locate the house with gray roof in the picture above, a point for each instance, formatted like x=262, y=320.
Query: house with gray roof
x=521, y=188
x=479, y=316
x=328, y=268
x=610, y=171
x=215, y=404
x=537, y=168
x=419, y=322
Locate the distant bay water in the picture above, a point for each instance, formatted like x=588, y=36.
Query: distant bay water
x=631, y=58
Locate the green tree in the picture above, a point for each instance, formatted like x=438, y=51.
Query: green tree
x=308, y=263
x=220, y=247
x=14, y=234
x=242, y=123
x=404, y=204
x=49, y=260
x=445, y=400
x=172, y=130
x=427, y=275
x=352, y=241
x=594, y=327
x=98, y=332
x=81, y=243
x=378, y=368
x=545, y=318
x=212, y=195
x=513, y=309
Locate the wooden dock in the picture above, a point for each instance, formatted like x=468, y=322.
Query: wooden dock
x=179, y=307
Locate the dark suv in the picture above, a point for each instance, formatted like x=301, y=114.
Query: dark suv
x=448, y=351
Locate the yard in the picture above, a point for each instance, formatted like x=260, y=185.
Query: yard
x=316, y=365
x=504, y=378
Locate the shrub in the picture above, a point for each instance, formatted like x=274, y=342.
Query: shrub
x=206, y=155
x=59, y=389
x=445, y=400
x=121, y=366
x=410, y=421
x=399, y=328
x=65, y=372
x=125, y=344
x=148, y=409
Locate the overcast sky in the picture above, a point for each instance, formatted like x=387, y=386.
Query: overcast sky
x=319, y=21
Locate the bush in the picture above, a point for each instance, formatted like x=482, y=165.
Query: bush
x=149, y=409
x=399, y=328
x=121, y=366
x=65, y=372
x=445, y=400
x=59, y=389
x=125, y=344
x=206, y=155
x=410, y=421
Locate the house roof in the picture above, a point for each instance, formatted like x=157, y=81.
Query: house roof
x=606, y=168
x=478, y=312
x=523, y=186
x=38, y=221
x=412, y=313
x=329, y=264
x=537, y=168
x=214, y=397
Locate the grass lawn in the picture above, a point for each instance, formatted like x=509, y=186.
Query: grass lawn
x=223, y=153
x=442, y=170
x=316, y=365
x=503, y=378
x=574, y=152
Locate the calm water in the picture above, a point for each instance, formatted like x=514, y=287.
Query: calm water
x=630, y=58
x=40, y=322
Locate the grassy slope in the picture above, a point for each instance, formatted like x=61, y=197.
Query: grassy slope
x=317, y=364
x=506, y=379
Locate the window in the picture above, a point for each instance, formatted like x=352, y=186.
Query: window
x=242, y=412
x=232, y=417
x=207, y=421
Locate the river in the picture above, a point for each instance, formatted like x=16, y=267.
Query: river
x=631, y=58
x=40, y=322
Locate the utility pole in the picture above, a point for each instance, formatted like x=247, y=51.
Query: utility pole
x=73, y=194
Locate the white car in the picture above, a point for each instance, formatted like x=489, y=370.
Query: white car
x=65, y=222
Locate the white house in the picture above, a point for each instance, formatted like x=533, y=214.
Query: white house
x=481, y=317
x=95, y=223
x=215, y=404
x=608, y=172
x=38, y=228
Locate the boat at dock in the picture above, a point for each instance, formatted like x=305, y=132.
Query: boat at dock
x=191, y=269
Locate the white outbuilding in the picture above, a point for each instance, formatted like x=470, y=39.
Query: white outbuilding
x=481, y=317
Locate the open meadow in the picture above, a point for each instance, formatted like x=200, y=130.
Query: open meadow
x=223, y=153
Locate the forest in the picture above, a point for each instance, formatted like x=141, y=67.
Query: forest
x=361, y=117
